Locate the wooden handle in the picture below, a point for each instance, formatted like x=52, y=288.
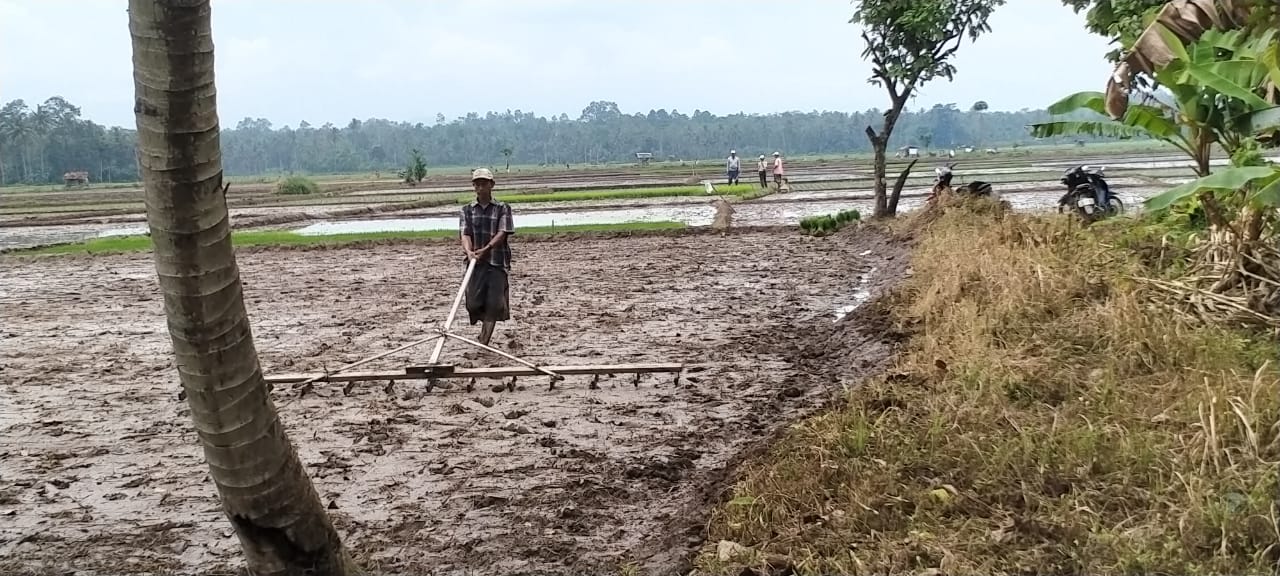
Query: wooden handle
x=457, y=300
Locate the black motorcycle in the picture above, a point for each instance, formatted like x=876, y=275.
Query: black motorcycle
x=942, y=182
x=1089, y=194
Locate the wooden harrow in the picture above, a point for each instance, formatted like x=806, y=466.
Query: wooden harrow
x=433, y=370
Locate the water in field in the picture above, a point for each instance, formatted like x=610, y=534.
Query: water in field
x=690, y=215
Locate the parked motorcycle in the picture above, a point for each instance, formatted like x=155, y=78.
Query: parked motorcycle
x=1089, y=194
x=942, y=184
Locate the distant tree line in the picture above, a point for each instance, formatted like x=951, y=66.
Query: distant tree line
x=38, y=144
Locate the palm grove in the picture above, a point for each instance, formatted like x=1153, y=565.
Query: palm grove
x=38, y=143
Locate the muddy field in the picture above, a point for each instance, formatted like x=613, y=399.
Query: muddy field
x=100, y=471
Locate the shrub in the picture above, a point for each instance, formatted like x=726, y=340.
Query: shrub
x=297, y=185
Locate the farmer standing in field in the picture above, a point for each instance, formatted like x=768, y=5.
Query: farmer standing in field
x=762, y=167
x=733, y=167
x=778, y=171
x=485, y=225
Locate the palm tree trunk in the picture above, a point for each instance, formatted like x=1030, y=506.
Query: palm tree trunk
x=265, y=492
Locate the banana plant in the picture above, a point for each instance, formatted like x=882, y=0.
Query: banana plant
x=1181, y=123
x=1238, y=73
x=1219, y=89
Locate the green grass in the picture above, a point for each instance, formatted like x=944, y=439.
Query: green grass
x=118, y=244
x=617, y=194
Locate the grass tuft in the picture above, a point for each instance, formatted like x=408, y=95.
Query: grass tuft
x=1044, y=417
x=117, y=244
x=295, y=185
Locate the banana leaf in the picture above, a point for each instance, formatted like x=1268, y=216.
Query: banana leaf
x=1079, y=101
x=1173, y=43
x=1210, y=77
x=1229, y=179
x=1152, y=121
x=1269, y=195
x=1103, y=129
x=1271, y=59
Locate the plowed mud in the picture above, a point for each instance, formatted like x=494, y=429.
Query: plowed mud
x=101, y=473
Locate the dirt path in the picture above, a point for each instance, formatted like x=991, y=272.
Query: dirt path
x=100, y=471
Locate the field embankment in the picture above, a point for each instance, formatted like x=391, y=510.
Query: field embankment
x=1044, y=416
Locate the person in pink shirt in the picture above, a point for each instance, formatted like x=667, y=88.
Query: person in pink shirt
x=778, y=171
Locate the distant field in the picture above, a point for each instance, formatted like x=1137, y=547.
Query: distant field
x=58, y=216
x=658, y=167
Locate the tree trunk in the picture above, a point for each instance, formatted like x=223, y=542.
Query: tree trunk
x=878, y=145
x=897, y=186
x=265, y=492
x=881, y=186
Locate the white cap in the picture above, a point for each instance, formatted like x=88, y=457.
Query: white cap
x=733, y=151
x=777, y=153
x=762, y=156
x=481, y=174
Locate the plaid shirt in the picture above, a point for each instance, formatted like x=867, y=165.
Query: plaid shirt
x=482, y=223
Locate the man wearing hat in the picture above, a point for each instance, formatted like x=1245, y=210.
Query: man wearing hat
x=733, y=167
x=763, y=168
x=485, y=225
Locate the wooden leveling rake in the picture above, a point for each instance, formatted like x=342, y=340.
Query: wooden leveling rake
x=433, y=370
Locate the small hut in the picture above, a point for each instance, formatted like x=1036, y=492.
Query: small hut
x=78, y=179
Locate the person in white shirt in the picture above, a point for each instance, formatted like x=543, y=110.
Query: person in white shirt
x=733, y=167
x=762, y=166
x=778, y=171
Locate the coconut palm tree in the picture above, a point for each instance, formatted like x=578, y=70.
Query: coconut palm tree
x=265, y=492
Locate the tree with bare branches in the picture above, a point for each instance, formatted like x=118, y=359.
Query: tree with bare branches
x=909, y=43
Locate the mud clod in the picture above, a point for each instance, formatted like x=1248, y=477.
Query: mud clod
x=517, y=428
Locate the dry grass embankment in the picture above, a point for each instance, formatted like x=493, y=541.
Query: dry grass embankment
x=1044, y=417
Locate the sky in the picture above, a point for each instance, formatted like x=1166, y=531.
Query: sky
x=331, y=61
